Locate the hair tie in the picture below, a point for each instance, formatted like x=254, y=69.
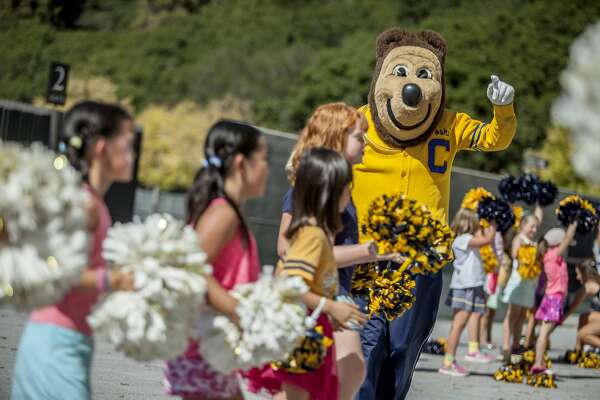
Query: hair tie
x=76, y=142
x=212, y=160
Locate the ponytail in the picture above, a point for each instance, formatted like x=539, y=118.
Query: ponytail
x=224, y=141
x=85, y=122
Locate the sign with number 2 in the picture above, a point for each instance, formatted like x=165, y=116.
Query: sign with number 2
x=56, y=92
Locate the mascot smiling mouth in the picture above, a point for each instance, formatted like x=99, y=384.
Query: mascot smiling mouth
x=397, y=123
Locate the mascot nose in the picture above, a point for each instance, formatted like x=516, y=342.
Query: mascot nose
x=411, y=94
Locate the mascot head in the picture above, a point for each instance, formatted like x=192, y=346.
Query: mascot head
x=407, y=95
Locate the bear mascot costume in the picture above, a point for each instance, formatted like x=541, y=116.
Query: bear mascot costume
x=411, y=144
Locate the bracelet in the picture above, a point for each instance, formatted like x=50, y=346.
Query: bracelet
x=311, y=320
x=107, y=285
x=103, y=280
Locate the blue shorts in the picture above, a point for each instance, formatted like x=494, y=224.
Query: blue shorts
x=52, y=363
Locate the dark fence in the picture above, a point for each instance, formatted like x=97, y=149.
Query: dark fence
x=26, y=124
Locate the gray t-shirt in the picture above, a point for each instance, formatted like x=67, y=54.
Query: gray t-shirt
x=468, y=267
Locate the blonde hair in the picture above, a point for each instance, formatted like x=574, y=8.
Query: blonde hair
x=465, y=221
x=328, y=127
x=526, y=219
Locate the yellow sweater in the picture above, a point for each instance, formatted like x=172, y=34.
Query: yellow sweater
x=422, y=172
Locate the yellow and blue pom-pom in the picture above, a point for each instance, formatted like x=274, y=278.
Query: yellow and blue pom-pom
x=489, y=258
x=529, y=186
x=401, y=225
x=363, y=277
x=509, y=189
x=309, y=355
x=510, y=373
x=541, y=380
x=589, y=360
x=474, y=196
x=547, y=193
x=574, y=208
x=391, y=294
x=529, y=265
x=498, y=211
x=518, y=211
x=437, y=347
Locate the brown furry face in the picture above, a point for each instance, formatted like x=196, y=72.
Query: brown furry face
x=408, y=93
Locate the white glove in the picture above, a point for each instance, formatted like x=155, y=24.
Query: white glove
x=500, y=93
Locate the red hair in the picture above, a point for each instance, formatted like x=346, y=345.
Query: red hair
x=328, y=126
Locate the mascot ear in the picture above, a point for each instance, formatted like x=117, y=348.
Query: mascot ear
x=436, y=41
x=389, y=39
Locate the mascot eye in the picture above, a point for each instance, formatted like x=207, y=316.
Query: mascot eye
x=400, y=70
x=424, y=73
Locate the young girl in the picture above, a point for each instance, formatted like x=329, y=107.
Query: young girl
x=519, y=293
x=466, y=296
x=55, y=353
x=338, y=127
x=321, y=193
x=551, y=250
x=491, y=290
x=589, y=333
x=586, y=273
x=235, y=170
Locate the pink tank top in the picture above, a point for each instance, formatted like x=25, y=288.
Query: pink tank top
x=71, y=312
x=236, y=263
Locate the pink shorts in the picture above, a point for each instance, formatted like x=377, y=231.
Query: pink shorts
x=190, y=375
x=551, y=308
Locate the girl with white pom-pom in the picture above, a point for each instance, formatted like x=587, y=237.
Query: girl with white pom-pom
x=235, y=170
x=321, y=193
x=55, y=352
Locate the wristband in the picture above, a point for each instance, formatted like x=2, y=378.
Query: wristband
x=102, y=280
x=311, y=320
x=107, y=285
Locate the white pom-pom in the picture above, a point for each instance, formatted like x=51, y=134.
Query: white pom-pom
x=43, y=233
x=272, y=322
x=156, y=320
x=578, y=107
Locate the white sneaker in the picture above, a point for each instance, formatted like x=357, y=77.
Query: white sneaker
x=479, y=357
x=454, y=369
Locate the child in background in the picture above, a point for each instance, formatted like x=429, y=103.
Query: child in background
x=587, y=274
x=56, y=349
x=321, y=193
x=235, y=170
x=466, y=296
x=491, y=289
x=519, y=293
x=589, y=334
x=551, y=250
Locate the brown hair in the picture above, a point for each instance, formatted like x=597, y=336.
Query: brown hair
x=328, y=127
x=587, y=270
x=465, y=221
x=323, y=174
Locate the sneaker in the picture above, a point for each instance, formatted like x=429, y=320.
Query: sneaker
x=454, y=369
x=541, y=370
x=479, y=357
x=490, y=347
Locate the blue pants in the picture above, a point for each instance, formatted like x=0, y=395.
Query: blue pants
x=53, y=363
x=392, y=349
